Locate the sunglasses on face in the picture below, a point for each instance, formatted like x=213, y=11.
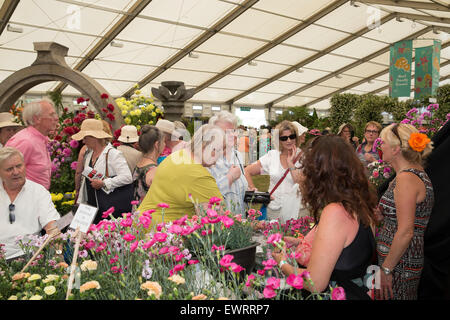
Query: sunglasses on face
x=292, y=137
x=12, y=216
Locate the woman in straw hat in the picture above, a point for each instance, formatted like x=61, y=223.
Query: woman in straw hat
x=346, y=132
x=105, y=168
x=80, y=161
x=8, y=127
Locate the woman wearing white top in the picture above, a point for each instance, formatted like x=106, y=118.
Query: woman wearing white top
x=286, y=199
x=119, y=173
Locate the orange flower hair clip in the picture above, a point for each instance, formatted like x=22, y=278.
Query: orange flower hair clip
x=418, y=141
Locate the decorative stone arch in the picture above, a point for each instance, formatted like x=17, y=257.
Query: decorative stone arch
x=50, y=65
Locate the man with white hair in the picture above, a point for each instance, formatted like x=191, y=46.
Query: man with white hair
x=41, y=119
x=26, y=207
x=228, y=170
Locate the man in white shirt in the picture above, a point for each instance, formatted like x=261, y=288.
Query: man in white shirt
x=26, y=207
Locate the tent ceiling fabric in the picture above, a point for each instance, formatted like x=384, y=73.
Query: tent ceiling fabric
x=302, y=51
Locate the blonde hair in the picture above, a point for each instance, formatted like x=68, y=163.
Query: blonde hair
x=287, y=125
x=375, y=124
x=404, y=133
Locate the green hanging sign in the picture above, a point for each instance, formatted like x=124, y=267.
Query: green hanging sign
x=400, y=69
x=426, y=75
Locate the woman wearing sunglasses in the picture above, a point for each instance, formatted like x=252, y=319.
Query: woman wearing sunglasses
x=286, y=200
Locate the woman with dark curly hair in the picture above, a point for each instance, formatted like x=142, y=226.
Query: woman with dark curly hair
x=336, y=191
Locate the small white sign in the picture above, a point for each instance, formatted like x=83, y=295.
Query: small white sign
x=83, y=217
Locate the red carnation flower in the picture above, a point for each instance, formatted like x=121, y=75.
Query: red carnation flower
x=104, y=96
x=116, y=144
x=91, y=114
x=58, y=138
x=105, y=110
x=111, y=116
x=117, y=133
x=110, y=107
x=69, y=131
x=80, y=100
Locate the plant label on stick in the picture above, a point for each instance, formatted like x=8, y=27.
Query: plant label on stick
x=83, y=217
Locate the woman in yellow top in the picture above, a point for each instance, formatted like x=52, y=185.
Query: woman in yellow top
x=182, y=179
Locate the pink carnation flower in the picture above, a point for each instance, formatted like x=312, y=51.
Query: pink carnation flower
x=273, y=282
x=134, y=246
x=226, y=260
x=295, y=281
x=160, y=237
x=129, y=237
x=274, y=238
x=163, y=205
x=108, y=212
x=269, y=293
x=338, y=294
x=250, y=279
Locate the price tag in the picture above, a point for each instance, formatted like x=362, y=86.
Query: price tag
x=83, y=217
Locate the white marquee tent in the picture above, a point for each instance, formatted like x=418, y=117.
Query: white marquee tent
x=266, y=53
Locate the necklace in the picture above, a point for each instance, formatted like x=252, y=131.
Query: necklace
x=149, y=158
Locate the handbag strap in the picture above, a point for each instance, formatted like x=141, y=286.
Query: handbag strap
x=285, y=174
x=106, y=161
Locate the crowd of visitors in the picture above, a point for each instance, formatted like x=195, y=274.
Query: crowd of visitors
x=164, y=170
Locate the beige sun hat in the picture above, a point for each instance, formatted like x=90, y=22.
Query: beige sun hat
x=6, y=120
x=165, y=126
x=128, y=134
x=91, y=127
x=343, y=126
x=300, y=129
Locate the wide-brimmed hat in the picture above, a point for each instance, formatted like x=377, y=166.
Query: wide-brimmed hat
x=91, y=127
x=6, y=120
x=128, y=134
x=165, y=126
x=300, y=129
x=343, y=126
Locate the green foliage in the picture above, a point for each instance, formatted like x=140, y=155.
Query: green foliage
x=342, y=109
x=369, y=109
x=302, y=115
x=443, y=99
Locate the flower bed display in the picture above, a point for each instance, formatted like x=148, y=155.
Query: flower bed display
x=125, y=258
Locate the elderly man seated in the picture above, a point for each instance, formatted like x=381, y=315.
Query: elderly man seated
x=26, y=207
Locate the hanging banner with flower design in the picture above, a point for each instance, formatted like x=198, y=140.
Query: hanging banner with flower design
x=400, y=69
x=426, y=74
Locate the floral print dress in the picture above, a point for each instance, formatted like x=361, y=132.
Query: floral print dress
x=406, y=274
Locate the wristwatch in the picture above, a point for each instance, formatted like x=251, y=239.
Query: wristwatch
x=386, y=271
x=282, y=262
